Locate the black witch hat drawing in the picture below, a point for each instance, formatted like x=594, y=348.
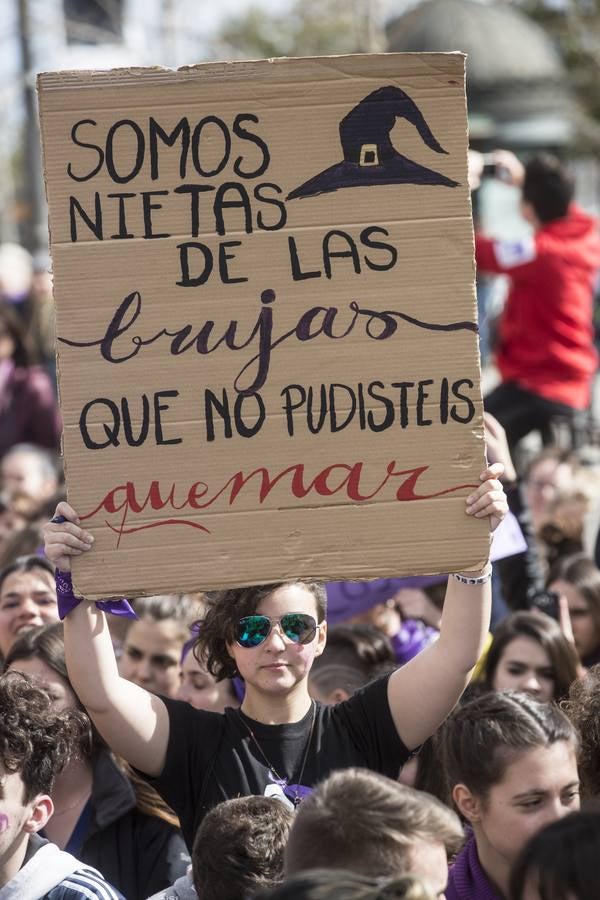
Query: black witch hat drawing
x=370, y=158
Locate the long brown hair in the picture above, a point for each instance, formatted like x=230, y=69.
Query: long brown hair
x=583, y=574
x=22, y=355
x=548, y=634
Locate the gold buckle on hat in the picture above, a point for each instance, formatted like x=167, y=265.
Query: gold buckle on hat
x=368, y=149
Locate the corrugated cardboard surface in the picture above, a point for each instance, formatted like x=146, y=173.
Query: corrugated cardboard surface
x=179, y=516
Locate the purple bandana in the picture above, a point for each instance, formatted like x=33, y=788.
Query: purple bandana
x=67, y=600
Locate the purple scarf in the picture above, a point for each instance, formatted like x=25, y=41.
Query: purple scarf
x=467, y=880
x=67, y=600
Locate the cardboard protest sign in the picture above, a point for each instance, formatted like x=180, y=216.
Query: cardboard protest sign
x=267, y=341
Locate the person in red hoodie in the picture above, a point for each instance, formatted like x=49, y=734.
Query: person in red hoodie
x=545, y=353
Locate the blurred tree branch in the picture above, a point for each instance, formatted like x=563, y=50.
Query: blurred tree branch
x=574, y=25
x=307, y=28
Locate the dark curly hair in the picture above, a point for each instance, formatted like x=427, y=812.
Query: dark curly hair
x=47, y=643
x=35, y=741
x=583, y=709
x=223, y=611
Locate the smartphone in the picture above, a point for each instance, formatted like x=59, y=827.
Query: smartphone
x=547, y=602
x=491, y=169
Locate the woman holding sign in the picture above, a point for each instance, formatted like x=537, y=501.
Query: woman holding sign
x=280, y=742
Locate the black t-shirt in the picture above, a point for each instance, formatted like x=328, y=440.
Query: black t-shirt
x=211, y=757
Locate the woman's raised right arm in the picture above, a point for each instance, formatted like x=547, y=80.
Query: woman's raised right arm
x=133, y=722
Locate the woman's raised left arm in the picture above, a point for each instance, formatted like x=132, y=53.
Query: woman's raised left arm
x=424, y=691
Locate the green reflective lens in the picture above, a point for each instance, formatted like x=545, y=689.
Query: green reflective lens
x=252, y=630
x=299, y=628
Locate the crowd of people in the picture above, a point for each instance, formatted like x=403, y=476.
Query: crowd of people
x=436, y=738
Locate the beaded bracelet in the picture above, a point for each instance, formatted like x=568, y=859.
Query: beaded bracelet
x=478, y=579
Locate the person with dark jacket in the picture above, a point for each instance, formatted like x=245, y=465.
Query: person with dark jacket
x=104, y=816
x=36, y=742
x=546, y=353
x=138, y=850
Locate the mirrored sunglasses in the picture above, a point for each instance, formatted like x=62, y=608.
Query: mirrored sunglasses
x=297, y=627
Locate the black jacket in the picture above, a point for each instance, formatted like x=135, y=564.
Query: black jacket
x=138, y=853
